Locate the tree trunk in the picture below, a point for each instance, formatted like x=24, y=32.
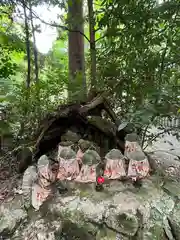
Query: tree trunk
x=27, y=46
x=92, y=43
x=77, y=81
x=36, y=69
x=34, y=46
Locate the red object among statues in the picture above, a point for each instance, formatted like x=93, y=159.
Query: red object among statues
x=100, y=180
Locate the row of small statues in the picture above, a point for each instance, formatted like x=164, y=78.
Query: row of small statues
x=83, y=167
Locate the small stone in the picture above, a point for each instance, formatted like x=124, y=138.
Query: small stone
x=84, y=144
x=88, y=145
x=122, y=221
x=70, y=136
x=9, y=218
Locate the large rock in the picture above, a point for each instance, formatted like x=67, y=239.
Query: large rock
x=174, y=220
x=118, y=212
x=123, y=222
x=164, y=142
x=165, y=164
x=172, y=188
x=11, y=215
x=39, y=229
x=71, y=231
x=124, y=212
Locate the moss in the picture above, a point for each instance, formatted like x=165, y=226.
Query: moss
x=88, y=191
x=84, y=194
x=106, y=234
x=128, y=223
x=78, y=218
x=172, y=188
x=72, y=231
x=156, y=232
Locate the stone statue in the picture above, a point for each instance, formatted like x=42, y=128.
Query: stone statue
x=138, y=162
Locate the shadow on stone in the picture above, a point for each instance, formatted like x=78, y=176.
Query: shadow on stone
x=71, y=231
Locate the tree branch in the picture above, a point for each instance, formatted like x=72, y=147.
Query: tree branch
x=57, y=25
x=100, y=38
x=159, y=134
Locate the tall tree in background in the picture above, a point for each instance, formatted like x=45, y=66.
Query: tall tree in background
x=76, y=49
x=35, y=51
x=92, y=42
x=134, y=59
x=27, y=44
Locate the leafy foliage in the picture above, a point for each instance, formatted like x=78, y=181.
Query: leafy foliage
x=138, y=65
x=140, y=48
x=26, y=107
